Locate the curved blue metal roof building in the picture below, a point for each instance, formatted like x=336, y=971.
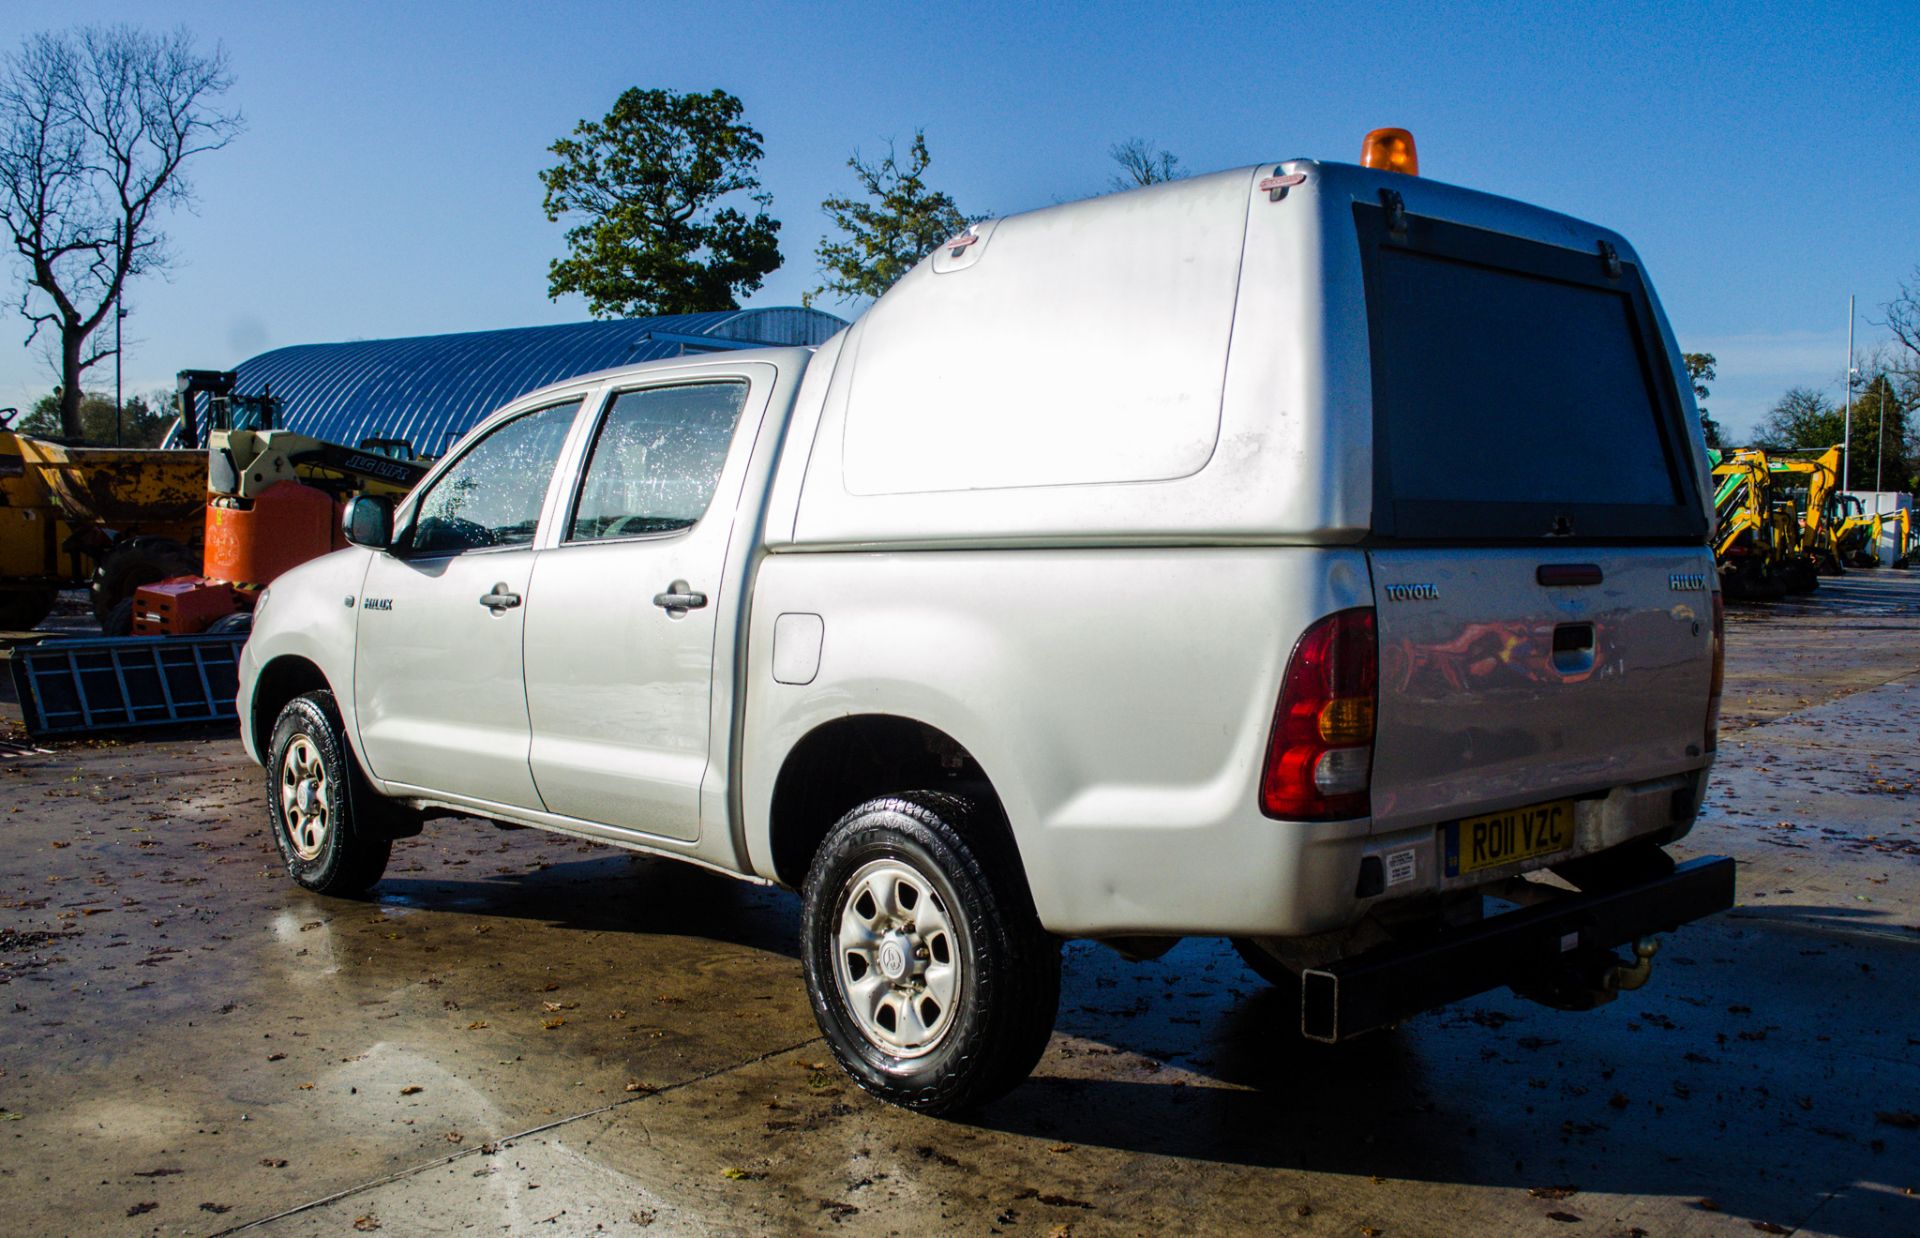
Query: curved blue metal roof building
x=431, y=389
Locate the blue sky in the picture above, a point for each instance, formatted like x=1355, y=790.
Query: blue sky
x=1763, y=158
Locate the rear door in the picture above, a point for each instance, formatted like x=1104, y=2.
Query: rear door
x=1540, y=570
x=622, y=613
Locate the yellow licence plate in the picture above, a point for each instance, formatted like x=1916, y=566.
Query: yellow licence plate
x=1507, y=837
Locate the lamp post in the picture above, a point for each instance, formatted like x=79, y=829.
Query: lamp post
x=119, y=314
x=1846, y=435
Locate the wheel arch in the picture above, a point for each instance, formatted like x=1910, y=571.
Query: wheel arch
x=847, y=761
x=279, y=681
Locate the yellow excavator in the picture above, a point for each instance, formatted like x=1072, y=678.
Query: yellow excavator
x=110, y=517
x=1761, y=542
x=1811, y=480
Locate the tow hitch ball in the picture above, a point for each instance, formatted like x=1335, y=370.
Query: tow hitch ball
x=1592, y=979
x=1622, y=977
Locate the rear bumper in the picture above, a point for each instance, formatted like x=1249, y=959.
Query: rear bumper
x=1388, y=983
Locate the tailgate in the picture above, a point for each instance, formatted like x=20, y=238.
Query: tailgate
x=1498, y=690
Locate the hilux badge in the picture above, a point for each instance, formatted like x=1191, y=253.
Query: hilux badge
x=1687, y=582
x=1413, y=593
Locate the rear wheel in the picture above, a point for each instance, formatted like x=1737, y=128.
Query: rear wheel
x=1261, y=962
x=322, y=810
x=23, y=609
x=135, y=562
x=928, y=971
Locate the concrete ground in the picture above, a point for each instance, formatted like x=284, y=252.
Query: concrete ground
x=523, y=1034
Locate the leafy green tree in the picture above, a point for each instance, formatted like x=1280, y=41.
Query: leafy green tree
x=1805, y=420
x=898, y=222
x=1142, y=163
x=645, y=184
x=143, y=419
x=1700, y=372
x=95, y=125
x=1801, y=418
x=1884, y=441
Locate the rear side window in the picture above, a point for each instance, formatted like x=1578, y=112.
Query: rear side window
x=656, y=460
x=1516, y=394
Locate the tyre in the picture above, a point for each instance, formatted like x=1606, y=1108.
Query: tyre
x=119, y=620
x=22, y=610
x=239, y=623
x=323, y=813
x=1265, y=966
x=135, y=562
x=929, y=973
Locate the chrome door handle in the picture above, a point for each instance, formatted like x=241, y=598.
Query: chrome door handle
x=500, y=599
x=679, y=599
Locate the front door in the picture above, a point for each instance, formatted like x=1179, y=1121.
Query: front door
x=620, y=621
x=438, y=690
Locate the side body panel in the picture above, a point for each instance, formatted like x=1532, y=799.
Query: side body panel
x=1119, y=700
x=311, y=614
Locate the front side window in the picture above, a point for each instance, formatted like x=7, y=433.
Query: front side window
x=656, y=460
x=491, y=496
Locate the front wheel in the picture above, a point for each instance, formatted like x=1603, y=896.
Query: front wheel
x=928, y=971
x=318, y=803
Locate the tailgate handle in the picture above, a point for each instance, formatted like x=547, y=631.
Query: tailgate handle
x=1573, y=638
x=1560, y=574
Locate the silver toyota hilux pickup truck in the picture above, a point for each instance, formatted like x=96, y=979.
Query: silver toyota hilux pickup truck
x=1311, y=555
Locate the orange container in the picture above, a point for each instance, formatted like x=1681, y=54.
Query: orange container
x=288, y=524
x=181, y=606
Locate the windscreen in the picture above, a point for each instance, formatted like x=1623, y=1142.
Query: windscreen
x=1500, y=387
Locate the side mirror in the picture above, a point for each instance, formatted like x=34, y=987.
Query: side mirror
x=368, y=521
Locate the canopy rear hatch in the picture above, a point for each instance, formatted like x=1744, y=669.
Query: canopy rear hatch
x=1540, y=569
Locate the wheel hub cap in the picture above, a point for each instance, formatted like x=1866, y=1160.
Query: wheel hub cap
x=306, y=798
x=898, y=961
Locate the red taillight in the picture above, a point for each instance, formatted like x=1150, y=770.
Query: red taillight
x=1320, y=759
x=1719, y=671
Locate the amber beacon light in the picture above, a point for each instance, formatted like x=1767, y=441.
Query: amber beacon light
x=1390, y=150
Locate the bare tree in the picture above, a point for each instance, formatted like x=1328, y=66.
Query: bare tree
x=1903, y=320
x=1143, y=163
x=95, y=124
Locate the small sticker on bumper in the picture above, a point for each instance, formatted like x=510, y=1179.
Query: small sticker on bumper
x=1400, y=867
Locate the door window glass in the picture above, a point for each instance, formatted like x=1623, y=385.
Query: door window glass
x=492, y=494
x=656, y=460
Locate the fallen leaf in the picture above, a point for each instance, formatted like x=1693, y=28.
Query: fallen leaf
x=216, y=1209
x=273, y=1162
x=1707, y=1205
x=1553, y=1192
x=366, y=1224
x=142, y=1208
x=1900, y=1119
x=634, y=1085
x=476, y=1025
x=412, y=1089
x=453, y=1136
x=1565, y=1218
x=1768, y=1227
x=735, y=1174
x=556, y=1021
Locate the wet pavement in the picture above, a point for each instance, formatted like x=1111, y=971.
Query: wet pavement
x=519, y=1033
